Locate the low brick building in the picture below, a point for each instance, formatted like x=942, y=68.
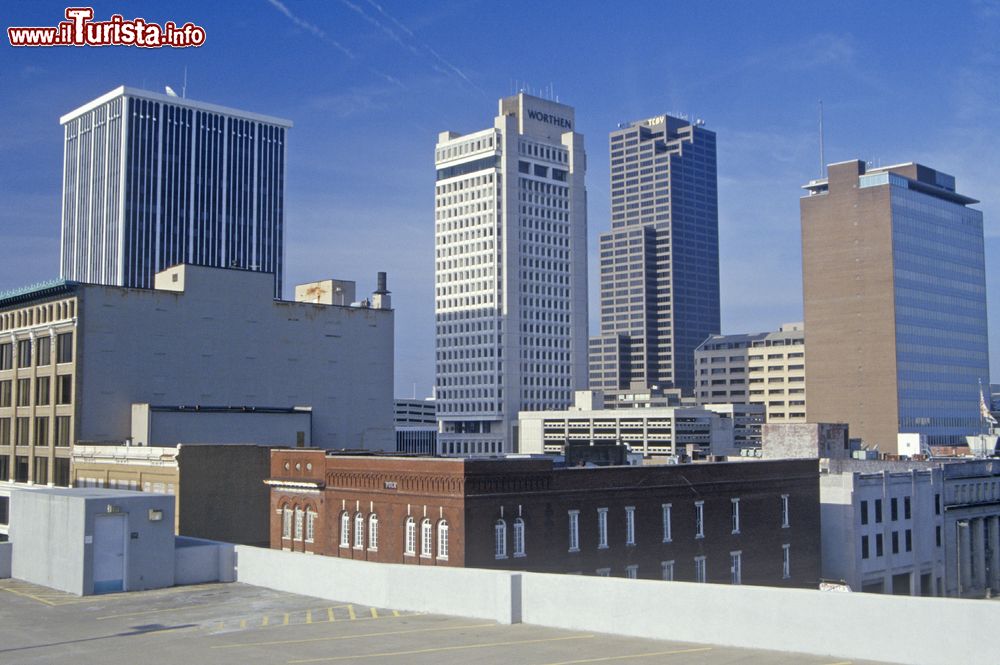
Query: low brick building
x=742, y=522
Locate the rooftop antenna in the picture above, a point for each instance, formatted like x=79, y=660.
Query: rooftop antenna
x=822, y=159
x=184, y=87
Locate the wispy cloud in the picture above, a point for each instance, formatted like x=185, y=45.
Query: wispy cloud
x=398, y=32
x=315, y=30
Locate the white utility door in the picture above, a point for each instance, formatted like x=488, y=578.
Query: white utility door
x=109, y=553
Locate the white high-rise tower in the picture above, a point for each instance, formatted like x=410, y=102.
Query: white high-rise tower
x=510, y=273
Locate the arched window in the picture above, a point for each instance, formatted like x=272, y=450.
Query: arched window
x=310, y=525
x=518, y=537
x=500, y=539
x=359, y=531
x=443, y=539
x=345, y=529
x=426, y=538
x=298, y=523
x=373, y=531
x=411, y=536
x=286, y=522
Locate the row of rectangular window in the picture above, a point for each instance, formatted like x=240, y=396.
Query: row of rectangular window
x=43, y=352
x=701, y=568
x=894, y=509
x=22, y=435
x=42, y=392
x=879, y=550
x=667, y=508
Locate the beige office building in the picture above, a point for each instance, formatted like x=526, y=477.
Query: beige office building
x=895, y=303
x=757, y=368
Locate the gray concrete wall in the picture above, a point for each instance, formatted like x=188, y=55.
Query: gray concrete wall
x=169, y=428
x=198, y=561
x=469, y=592
x=839, y=625
x=6, y=552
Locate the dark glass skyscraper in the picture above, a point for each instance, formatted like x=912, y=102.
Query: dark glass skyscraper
x=660, y=261
x=150, y=181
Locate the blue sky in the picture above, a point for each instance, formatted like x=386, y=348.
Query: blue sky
x=369, y=84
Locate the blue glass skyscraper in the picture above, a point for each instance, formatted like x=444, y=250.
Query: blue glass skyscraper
x=150, y=181
x=660, y=261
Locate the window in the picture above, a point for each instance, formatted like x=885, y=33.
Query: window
x=574, y=531
x=699, y=569
x=4, y=437
x=359, y=531
x=62, y=430
x=786, y=561
x=443, y=539
x=518, y=537
x=937, y=530
x=426, y=538
x=43, y=392
x=864, y=547
x=6, y=356
x=43, y=351
x=286, y=523
x=864, y=512
x=736, y=567
x=64, y=389
x=699, y=519
x=878, y=511
x=785, y=512
x=906, y=507
x=736, y=515
x=894, y=509
x=298, y=524
x=5, y=393
x=632, y=572
x=411, y=536
x=909, y=540
x=667, y=535
x=667, y=570
x=24, y=392
x=604, y=572
x=602, y=528
x=64, y=348
x=24, y=353
x=373, y=532
x=630, y=525
x=310, y=525
x=23, y=426
x=878, y=544
x=500, y=539
x=41, y=431
x=937, y=504
x=345, y=529
x=895, y=542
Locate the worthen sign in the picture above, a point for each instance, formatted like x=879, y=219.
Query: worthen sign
x=549, y=118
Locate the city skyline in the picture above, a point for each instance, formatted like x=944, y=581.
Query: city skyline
x=896, y=87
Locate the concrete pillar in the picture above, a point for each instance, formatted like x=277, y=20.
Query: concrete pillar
x=993, y=541
x=964, y=556
x=979, y=552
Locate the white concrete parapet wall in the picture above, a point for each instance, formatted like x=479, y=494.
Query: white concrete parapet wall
x=893, y=629
x=198, y=561
x=468, y=592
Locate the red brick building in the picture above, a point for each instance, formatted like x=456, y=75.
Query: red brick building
x=742, y=522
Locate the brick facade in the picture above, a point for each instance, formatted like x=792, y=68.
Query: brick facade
x=480, y=499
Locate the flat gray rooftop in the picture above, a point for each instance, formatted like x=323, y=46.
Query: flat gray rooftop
x=236, y=624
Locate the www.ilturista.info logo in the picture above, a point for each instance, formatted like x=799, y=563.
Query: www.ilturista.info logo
x=81, y=30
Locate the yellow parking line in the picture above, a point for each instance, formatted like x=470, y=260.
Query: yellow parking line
x=29, y=595
x=636, y=655
x=266, y=620
x=243, y=624
x=221, y=626
x=242, y=645
x=350, y=612
x=309, y=616
x=285, y=622
x=329, y=614
x=374, y=613
x=483, y=645
x=183, y=608
x=395, y=613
